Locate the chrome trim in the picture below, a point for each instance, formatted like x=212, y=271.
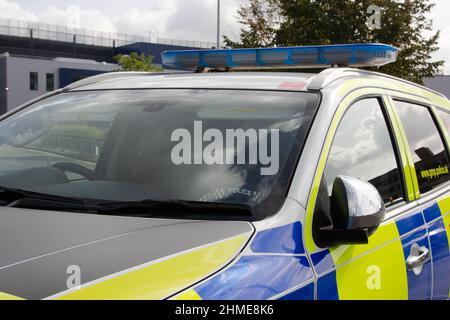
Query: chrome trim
x=418, y=257
x=400, y=209
x=365, y=207
x=434, y=194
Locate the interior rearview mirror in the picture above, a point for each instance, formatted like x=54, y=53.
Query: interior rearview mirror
x=356, y=212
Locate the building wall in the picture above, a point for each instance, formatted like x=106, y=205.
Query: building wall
x=440, y=84
x=18, y=76
x=3, y=86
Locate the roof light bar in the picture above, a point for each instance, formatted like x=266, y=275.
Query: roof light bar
x=348, y=55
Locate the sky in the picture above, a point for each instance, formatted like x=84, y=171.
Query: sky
x=174, y=19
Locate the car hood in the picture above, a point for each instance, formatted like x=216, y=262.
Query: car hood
x=80, y=256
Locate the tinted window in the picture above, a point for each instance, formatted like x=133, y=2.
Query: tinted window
x=34, y=81
x=427, y=148
x=50, y=81
x=363, y=149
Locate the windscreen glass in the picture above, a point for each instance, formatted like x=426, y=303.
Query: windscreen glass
x=218, y=146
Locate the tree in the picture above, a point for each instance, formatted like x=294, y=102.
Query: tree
x=261, y=17
x=136, y=62
x=306, y=22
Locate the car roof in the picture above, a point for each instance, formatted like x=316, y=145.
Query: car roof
x=288, y=81
x=222, y=80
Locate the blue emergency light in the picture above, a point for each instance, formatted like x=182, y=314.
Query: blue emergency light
x=348, y=55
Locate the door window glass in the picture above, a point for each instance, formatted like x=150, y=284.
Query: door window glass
x=363, y=149
x=427, y=147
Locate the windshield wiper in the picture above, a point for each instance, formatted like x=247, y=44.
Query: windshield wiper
x=53, y=205
x=9, y=196
x=176, y=207
x=160, y=208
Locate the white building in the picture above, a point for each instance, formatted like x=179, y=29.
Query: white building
x=25, y=78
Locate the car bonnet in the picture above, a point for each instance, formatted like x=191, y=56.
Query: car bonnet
x=81, y=256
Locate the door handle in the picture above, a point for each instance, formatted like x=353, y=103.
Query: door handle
x=419, y=256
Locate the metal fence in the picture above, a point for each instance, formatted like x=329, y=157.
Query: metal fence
x=20, y=28
x=187, y=43
x=79, y=148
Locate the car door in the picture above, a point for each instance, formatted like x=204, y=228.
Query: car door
x=426, y=140
x=365, y=146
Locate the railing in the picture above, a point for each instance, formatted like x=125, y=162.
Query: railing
x=79, y=148
x=187, y=43
x=27, y=29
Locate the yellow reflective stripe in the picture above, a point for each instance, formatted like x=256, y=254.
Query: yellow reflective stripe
x=387, y=232
x=161, y=279
x=409, y=170
x=6, y=296
x=375, y=271
x=309, y=241
x=444, y=203
x=412, y=167
x=189, y=295
x=444, y=207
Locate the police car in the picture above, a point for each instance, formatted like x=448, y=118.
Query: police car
x=230, y=185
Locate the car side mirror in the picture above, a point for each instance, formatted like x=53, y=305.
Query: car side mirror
x=356, y=212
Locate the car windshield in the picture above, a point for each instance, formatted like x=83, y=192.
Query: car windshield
x=213, y=146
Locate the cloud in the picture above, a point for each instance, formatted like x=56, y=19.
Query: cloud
x=372, y=148
x=179, y=19
x=9, y=9
x=441, y=22
x=444, y=52
x=199, y=17
x=141, y=21
x=88, y=19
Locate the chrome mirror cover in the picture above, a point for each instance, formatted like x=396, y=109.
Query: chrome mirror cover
x=356, y=205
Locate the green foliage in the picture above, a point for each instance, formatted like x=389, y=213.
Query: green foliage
x=306, y=22
x=135, y=62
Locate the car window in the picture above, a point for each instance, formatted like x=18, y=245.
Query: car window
x=426, y=145
x=228, y=146
x=363, y=149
